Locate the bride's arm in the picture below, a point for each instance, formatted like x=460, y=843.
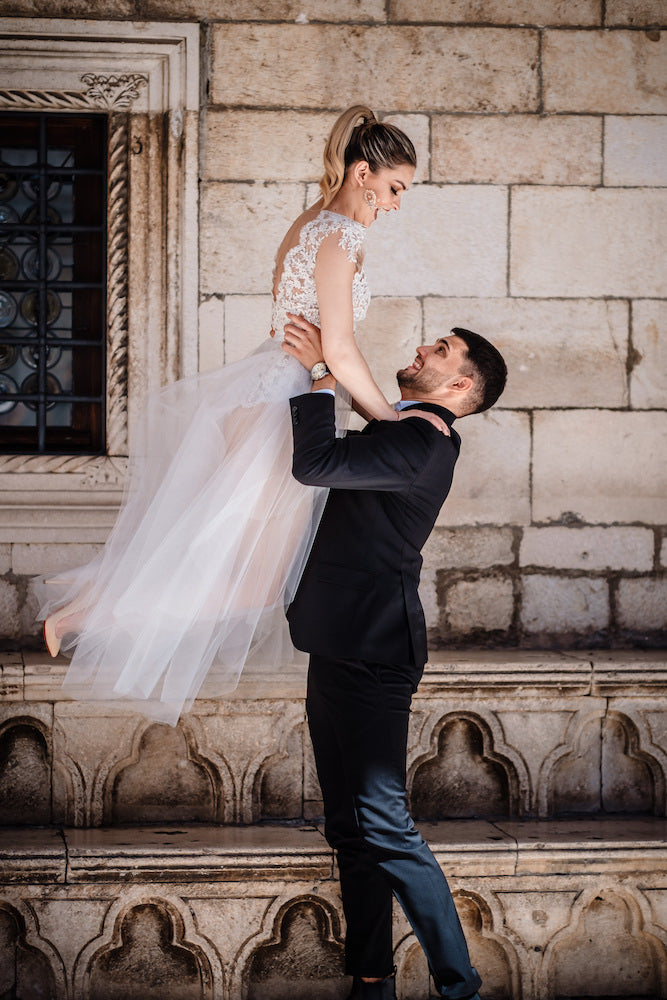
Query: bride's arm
x=334, y=274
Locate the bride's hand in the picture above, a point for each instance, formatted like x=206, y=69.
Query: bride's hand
x=432, y=418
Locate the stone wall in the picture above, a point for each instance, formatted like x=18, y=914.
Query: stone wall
x=538, y=219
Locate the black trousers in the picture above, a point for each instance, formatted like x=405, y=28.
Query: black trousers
x=358, y=717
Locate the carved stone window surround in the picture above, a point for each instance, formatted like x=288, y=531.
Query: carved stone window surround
x=146, y=77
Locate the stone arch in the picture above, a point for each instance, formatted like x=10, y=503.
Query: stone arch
x=631, y=778
x=462, y=775
x=165, y=777
x=602, y=768
x=25, y=772
x=25, y=968
x=148, y=957
x=606, y=951
x=492, y=955
x=413, y=978
x=302, y=959
x=276, y=793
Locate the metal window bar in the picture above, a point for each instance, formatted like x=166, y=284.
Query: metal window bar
x=32, y=338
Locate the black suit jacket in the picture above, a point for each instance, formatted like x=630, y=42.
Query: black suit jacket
x=358, y=598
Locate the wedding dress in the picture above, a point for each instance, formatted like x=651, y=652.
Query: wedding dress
x=213, y=532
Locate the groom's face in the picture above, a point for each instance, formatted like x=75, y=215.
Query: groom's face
x=435, y=366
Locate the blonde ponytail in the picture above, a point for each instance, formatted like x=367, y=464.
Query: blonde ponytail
x=358, y=135
x=334, y=151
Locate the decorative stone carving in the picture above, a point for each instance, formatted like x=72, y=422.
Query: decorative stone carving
x=607, y=943
x=491, y=954
x=304, y=957
x=465, y=778
x=25, y=773
x=25, y=971
x=112, y=91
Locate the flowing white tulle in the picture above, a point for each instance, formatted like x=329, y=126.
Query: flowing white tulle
x=213, y=532
x=179, y=593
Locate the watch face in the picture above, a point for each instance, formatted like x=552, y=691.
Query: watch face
x=318, y=371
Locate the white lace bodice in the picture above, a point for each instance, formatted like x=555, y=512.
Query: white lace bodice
x=296, y=290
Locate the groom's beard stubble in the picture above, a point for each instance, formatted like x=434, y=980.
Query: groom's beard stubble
x=425, y=382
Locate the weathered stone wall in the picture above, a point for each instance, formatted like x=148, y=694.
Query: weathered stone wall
x=538, y=219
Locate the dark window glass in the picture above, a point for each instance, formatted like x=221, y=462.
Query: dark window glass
x=52, y=283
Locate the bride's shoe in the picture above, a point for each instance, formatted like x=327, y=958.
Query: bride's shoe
x=51, y=638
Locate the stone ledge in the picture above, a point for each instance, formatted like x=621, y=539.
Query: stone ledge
x=34, y=676
x=206, y=854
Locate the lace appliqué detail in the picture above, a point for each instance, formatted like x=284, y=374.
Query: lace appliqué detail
x=297, y=292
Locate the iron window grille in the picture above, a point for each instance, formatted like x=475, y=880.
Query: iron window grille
x=53, y=210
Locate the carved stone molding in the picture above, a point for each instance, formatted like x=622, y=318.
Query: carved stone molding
x=104, y=91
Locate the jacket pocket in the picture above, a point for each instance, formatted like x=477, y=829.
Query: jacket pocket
x=344, y=576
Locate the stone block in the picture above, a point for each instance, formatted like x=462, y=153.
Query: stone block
x=484, y=605
x=648, y=378
x=553, y=604
x=600, y=467
x=516, y=149
x=397, y=68
x=635, y=151
x=241, y=227
x=35, y=558
x=444, y=241
x=491, y=479
x=469, y=548
x=587, y=548
x=29, y=856
x=5, y=558
x=211, y=334
x=265, y=145
x=112, y=9
x=520, y=12
x=388, y=338
x=612, y=72
x=635, y=13
x=10, y=612
x=663, y=553
x=642, y=604
x=296, y=11
x=535, y=336
x=247, y=324
x=569, y=242
x=11, y=677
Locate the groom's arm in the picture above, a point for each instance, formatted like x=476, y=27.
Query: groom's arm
x=388, y=459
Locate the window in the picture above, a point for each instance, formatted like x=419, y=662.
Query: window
x=52, y=283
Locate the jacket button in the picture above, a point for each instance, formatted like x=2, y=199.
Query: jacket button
x=295, y=414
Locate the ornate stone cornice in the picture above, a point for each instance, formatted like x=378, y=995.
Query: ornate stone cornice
x=103, y=91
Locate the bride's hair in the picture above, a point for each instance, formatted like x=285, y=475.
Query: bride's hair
x=358, y=135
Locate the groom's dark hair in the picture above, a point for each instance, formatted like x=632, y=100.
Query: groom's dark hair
x=489, y=371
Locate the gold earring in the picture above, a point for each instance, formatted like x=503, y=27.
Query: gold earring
x=369, y=198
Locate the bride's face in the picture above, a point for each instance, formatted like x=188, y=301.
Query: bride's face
x=388, y=185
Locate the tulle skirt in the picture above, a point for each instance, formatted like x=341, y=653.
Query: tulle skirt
x=207, y=550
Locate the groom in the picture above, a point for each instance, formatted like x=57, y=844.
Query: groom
x=357, y=613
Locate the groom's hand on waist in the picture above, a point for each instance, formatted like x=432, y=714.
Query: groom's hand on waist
x=303, y=341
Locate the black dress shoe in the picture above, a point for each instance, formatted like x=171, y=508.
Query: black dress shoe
x=384, y=990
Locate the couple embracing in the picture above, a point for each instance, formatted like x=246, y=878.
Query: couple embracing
x=241, y=505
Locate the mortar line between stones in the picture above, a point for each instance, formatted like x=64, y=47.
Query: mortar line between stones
x=61, y=831
x=514, y=840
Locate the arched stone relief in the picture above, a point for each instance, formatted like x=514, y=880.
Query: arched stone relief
x=570, y=776
x=413, y=978
x=25, y=772
x=491, y=954
x=632, y=779
x=607, y=950
x=149, y=949
x=278, y=788
x=303, y=957
x=268, y=753
x=605, y=764
x=165, y=776
x=464, y=773
x=29, y=967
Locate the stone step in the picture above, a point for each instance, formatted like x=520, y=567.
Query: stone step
x=551, y=909
x=521, y=734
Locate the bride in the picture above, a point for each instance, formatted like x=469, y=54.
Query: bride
x=214, y=531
